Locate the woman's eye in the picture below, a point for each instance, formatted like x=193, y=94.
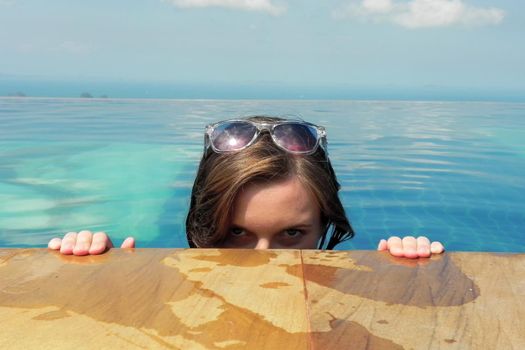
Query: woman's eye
x=237, y=238
x=236, y=232
x=292, y=233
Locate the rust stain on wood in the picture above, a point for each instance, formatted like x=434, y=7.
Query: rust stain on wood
x=274, y=285
x=232, y=257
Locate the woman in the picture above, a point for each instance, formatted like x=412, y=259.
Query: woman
x=263, y=182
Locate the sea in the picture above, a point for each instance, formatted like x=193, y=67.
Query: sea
x=453, y=171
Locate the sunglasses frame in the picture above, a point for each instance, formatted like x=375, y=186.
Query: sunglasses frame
x=270, y=127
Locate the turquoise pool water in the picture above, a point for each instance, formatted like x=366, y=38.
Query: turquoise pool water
x=453, y=171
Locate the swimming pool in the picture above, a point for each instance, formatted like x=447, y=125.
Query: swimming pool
x=453, y=171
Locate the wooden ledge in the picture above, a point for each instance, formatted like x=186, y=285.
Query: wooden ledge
x=247, y=299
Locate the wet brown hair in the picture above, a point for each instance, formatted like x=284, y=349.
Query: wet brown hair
x=221, y=176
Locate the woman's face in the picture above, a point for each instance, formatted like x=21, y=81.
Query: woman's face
x=275, y=215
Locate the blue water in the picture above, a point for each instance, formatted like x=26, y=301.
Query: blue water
x=453, y=171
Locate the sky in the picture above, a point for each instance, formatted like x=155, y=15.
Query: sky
x=318, y=48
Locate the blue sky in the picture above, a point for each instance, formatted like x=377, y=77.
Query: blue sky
x=454, y=45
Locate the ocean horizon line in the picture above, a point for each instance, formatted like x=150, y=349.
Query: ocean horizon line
x=167, y=99
x=164, y=99
x=245, y=91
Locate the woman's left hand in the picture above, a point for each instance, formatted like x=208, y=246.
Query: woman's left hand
x=411, y=247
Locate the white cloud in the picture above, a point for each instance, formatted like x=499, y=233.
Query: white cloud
x=377, y=6
x=421, y=13
x=248, y=5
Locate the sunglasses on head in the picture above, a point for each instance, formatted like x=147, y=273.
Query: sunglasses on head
x=297, y=137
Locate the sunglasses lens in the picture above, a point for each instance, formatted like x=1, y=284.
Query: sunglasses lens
x=296, y=137
x=232, y=136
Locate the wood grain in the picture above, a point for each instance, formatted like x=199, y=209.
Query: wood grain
x=247, y=299
x=452, y=301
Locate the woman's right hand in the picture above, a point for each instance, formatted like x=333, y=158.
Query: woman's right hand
x=86, y=243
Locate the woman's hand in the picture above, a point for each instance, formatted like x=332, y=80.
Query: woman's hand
x=86, y=243
x=411, y=247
